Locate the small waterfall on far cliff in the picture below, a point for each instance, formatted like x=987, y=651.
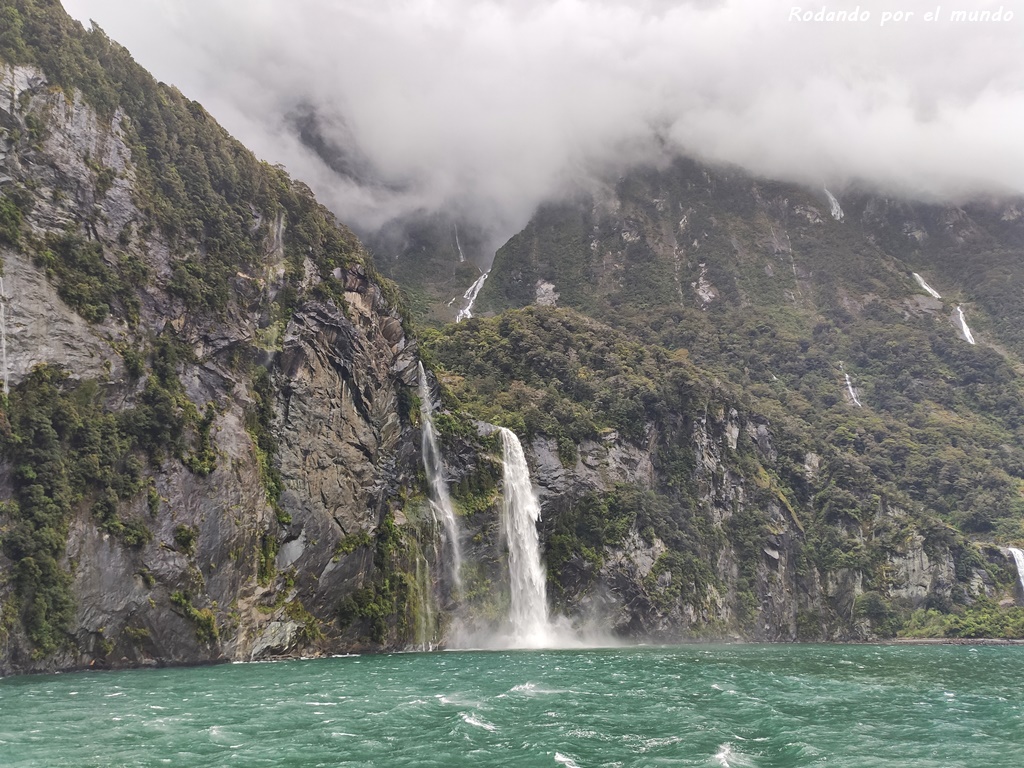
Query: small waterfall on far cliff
x=520, y=513
x=440, y=499
x=1018, y=558
x=470, y=297
x=852, y=391
x=3, y=336
x=462, y=256
x=837, y=211
x=963, y=326
x=927, y=288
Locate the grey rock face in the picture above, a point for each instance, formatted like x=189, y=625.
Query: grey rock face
x=43, y=329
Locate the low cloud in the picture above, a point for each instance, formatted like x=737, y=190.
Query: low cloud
x=484, y=108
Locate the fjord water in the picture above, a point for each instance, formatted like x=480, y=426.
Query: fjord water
x=743, y=705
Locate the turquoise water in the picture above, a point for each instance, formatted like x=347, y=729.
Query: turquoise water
x=744, y=705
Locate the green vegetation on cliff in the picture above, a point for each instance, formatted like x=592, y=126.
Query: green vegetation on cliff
x=703, y=289
x=201, y=190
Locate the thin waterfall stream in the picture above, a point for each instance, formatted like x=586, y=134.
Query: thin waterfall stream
x=470, y=298
x=963, y=326
x=440, y=500
x=927, y=288
x=3, y=336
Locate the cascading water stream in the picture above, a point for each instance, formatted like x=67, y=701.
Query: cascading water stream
x=927, y=288
x=458, y=245
x=1018, y=558
x=849, y=386
x=441, y=501
x=852, y=391
x=470, y=296
x=3, y=336
x=837, y=211
x=520, y=513
x=963, y=326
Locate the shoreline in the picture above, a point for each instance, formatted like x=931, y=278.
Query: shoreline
x=952, y=641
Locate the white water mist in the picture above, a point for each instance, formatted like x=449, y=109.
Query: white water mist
x=520, y=512
x=440, y=500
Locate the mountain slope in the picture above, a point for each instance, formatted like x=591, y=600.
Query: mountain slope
x=178, y=320
x=210, y=446
x=900, y=441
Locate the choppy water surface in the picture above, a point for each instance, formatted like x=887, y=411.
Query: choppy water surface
x=870, y=706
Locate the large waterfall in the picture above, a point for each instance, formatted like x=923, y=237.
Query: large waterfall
x=1018, y=558
x=441, y=500
x=520, y=513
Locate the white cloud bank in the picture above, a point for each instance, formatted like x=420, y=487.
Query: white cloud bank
x=487, y=107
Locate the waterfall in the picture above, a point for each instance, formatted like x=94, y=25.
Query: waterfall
x=470, y=296
x=3, y=336
x=927, y=288
x=1018, y=558
x=520, y=512
x=462, y=256
x=440, y=501
x=837, y=211
x=852, y=391
x=963, y=326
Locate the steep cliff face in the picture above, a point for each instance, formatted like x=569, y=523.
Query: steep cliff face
x=285, y=434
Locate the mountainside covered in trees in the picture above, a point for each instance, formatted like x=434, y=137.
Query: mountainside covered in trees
x=210, y=442
x=895, y=415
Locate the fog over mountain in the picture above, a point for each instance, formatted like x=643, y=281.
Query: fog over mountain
x=483, y=108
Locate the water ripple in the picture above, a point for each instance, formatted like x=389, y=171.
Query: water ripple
x=735, y=706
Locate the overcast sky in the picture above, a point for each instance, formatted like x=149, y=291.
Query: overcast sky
x=490, y=106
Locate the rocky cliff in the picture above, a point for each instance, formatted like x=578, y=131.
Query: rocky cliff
x=258, y=433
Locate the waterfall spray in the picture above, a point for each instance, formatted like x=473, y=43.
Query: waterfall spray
x=440, y=501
